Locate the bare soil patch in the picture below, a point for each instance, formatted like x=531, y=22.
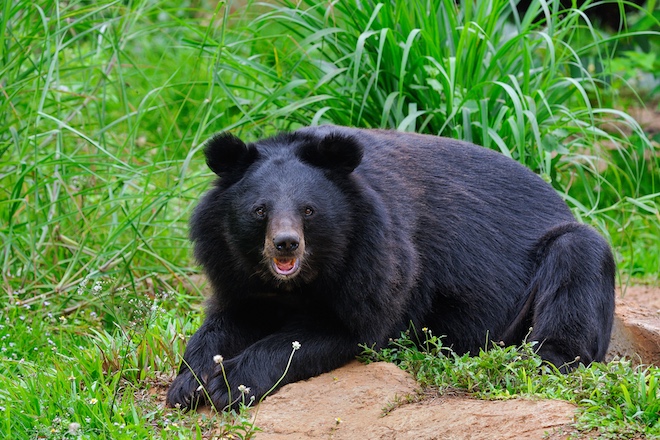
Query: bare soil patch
x=636, y=332
x=352, y=403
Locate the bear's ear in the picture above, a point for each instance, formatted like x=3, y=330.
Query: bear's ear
x=227, y=154
x=335, y=152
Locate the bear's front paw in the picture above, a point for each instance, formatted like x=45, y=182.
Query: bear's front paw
x=228, y=387
x=185, y=392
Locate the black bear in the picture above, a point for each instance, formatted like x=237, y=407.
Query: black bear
x=335, y=237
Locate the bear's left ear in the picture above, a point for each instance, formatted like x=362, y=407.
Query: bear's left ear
x=335, y=152
x=226, y=154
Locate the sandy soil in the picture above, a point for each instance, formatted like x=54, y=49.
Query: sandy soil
x=351, y=403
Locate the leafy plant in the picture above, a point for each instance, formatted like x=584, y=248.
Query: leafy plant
x=473, y=71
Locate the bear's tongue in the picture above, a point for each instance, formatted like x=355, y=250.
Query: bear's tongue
x=284, y=266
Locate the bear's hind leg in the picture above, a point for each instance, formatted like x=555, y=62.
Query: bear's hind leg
x=573, y=296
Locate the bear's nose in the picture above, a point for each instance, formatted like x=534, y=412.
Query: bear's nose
x=286, y=242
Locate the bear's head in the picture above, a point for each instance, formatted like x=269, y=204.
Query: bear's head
x=283, y=208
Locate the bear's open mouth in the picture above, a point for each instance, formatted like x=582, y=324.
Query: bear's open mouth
x=285, y=266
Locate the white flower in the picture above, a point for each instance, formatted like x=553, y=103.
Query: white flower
x=74, y=428
x=218, y=359
x=295, y=345
x=243, y=389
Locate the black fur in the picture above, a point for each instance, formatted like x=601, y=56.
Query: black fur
x=388, y=229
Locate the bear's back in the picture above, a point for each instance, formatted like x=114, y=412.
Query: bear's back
x=430, y=172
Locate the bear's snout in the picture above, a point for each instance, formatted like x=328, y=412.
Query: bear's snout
x=285, y=246
x=287, y=241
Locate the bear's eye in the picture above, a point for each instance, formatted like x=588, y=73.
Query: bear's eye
x=260, y=212
x=308, y=211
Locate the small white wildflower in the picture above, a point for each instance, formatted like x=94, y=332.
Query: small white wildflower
x=93, y=401
x=74, y=428
x=218, y=359
x=295, y=345
x=97, y=287
x=243, y=389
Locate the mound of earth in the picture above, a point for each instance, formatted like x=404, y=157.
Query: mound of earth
x=352, y=403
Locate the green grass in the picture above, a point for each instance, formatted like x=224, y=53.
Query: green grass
x=104, y=107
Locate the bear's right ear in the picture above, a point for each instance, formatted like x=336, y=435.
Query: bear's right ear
x=337, y=152
x=227, y=154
